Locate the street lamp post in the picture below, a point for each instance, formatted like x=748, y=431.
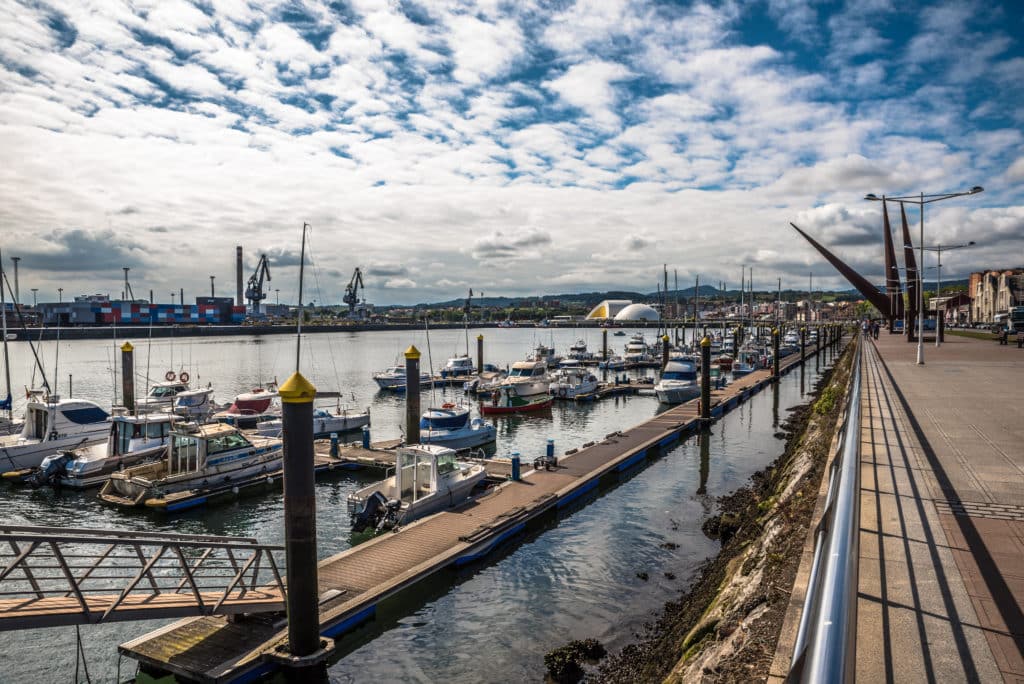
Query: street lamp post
x=939, y=249
x=921, y=200
x=34, y=290
x=60, y=295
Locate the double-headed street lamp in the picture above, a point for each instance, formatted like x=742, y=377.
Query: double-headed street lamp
x=939, y=249
x=921, y=200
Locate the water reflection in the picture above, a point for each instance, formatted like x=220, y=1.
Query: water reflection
x=705, y=460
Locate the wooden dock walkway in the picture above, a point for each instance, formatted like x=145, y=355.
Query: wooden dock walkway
x=353, y=582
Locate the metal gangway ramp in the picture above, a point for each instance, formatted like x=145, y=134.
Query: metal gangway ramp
x=53, y=576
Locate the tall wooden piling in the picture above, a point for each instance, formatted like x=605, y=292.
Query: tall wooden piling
x=705, y=379
x=127, y=376
x=604, y=344
x=480, y=353
x=775, y=354
x=412, y=395
x=803, y=342
x=736, y=341
x=664, y=351
x=297, y=396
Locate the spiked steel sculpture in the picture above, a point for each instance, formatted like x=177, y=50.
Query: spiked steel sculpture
x=869, y=291
x=893, y=287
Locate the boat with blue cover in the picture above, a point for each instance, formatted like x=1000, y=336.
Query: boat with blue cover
x=52, y=424
x=451, y=426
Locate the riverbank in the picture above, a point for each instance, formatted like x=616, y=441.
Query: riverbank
x=725, y=628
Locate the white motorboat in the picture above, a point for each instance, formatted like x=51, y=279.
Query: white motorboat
x=572, y=380
x=678, y=382
x=488, y=380
x=614, y=362
x=202, y=461
x=636, y=349
x=527, y=379
x=791, y=337
x=578, y=351
x=458, y=366
x=428, y=478
x=195, y=403
x=132, y=440
x=161, y=396
x=324, y=423
x=52, y=424
x=451, y=426
x=393, y=379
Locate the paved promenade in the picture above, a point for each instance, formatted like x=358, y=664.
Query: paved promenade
x=941, y=594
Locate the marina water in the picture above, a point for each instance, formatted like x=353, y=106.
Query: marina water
x=493, y=622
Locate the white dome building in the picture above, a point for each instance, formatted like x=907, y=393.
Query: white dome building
x=637, y=312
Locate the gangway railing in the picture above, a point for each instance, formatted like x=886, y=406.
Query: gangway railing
x=52, y=576
x=826, y=641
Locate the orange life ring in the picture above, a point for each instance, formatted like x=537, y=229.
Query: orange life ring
x=169, y=376
x=183, y=376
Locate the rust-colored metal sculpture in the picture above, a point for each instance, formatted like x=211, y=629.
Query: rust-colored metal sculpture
x=870, y=292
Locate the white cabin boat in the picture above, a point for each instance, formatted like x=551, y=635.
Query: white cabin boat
x=393, y=379
x=527, y=379
x=458, y=366
x=195, y=403
x=132, y=440
x=52, y=424
x=428, y=478
x=572, y=380
x=249, y=409
x=614, y=362
x=636, y=349
x=161, y=396
x=201, y=462
x=578, y=351
x=452, y=427
x=678, y=382
x=546, y=355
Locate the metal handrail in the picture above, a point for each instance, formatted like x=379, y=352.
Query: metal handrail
x=826, y=642
x=42, y=563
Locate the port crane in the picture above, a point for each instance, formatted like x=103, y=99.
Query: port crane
x=356, y=307
x=254, y=292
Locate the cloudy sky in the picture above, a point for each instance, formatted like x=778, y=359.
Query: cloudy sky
x=512, y=147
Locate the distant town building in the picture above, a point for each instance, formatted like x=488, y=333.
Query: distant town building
x=995, y=292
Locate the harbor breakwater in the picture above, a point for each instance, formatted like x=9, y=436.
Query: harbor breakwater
x=726, y=626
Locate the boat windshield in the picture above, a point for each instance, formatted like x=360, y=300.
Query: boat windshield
x=164, y=391
x=232, y=440
x=446, y=463
x=520, y=372
x=679, y=375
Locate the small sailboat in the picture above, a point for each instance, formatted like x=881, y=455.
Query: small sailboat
x=428, y=478
x=249, y=409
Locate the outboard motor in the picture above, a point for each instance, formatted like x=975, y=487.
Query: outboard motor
x=51, y=470
x=372, y=513
x=389, y=520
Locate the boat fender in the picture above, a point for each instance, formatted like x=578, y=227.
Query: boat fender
x=169, y=376
x=270, y=479
x=495, y=397
x=562, y=392
x=234, y=490
x=183, y=376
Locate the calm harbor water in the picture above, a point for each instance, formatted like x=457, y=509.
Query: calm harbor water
x=575, y=579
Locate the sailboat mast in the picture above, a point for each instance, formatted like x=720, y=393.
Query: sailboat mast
x=302, y=272
x=7, y=361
